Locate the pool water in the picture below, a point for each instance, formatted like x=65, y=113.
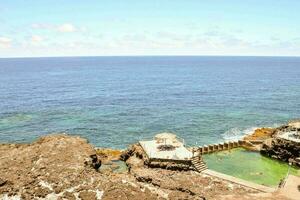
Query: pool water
x=116, y=166
x=250, y=166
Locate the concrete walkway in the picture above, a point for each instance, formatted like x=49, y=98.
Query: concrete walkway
x=291, y=188
x=242, y=182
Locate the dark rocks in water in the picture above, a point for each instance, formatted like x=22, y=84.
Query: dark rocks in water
x=278, y=148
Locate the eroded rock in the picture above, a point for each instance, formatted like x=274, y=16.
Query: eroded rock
x=282, y=149
x=63, y=167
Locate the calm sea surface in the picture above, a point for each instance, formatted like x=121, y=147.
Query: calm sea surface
x=115, y=101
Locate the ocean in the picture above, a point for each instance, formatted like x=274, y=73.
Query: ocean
x=116, y=101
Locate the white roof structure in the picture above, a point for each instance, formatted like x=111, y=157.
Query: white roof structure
x=168, y=139
x=165, y=136
x=179, y=152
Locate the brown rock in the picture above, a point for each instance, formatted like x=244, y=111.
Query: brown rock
x=41, y=192
x=60, y=156
x=261, y=134
x=67, y=196
x=87, y=195
x=282, y=149
x=2, y=182
x=56, y=163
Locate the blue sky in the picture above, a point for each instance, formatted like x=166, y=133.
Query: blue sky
x=139, y=27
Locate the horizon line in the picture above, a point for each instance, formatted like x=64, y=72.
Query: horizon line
x=87, y=56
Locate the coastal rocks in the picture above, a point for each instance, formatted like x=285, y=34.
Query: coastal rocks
x=67, y=195
x=61, y=167
x=134, y=150
x=2, y=182
x=134, y=162
x=48, y=165
x=261, y=134
x=87, y=195
x=106, y=154
x=186, y=184
x=134, y=156
x=291, y=126
x=269, y=142
x=266, y=133
x=93, y=162
x=282, y=149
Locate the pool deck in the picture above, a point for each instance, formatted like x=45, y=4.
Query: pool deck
x=179, y=153
x=242, y=182
x=291, y=188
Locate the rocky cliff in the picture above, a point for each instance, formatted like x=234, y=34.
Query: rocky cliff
x=282, y=149
x=59, y=167
x=67, y=167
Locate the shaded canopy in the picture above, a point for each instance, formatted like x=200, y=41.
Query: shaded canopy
x=168, y=139
x=164, y=136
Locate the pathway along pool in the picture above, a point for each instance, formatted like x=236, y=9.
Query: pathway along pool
x=250, y=166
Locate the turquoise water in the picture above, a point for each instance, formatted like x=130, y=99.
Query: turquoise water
x=116, y=166
x=250, y=166
x=115, y=101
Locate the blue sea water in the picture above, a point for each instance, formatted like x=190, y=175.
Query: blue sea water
x=115, y=101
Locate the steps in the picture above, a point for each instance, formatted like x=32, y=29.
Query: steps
x=199, y=164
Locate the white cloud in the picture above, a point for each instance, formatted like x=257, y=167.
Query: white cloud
x=36, y=38
x=66, y=28
x=42, y=26
x=63, y=28
x=5, y=42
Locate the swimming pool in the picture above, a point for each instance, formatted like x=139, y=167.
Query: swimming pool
x=250, y=166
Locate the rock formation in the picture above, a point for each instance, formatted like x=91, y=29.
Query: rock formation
x=67, y=167
x=261, y=134
x=276, y=147
x=59, y=167
x=282, y=149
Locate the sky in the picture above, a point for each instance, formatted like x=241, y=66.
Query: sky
x=31, y=28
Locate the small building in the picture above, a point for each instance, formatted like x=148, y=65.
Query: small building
x=166, y=150
x=166, y=146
